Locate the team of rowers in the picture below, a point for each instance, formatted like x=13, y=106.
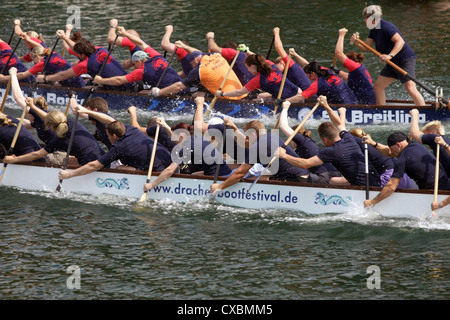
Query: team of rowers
x=184, y=148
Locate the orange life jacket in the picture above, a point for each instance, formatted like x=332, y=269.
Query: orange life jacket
x=213, y=69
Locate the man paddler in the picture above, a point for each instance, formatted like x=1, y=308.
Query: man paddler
x=209, y=71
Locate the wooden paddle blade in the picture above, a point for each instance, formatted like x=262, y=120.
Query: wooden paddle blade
x=143, y=197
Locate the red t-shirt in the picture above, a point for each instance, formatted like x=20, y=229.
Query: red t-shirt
x=80, y=68
x=135, y=75
x=37, y=68
x=351, y=65
x=152, y=52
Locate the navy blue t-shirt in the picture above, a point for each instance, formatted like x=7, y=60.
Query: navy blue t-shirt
x=419, y=164
x=44, y=134
x=163, y=137
x=25, y=142
x=228, y=144
x=101, y=132
x=307, y=148
x=134, y=149
x=347, y=157
x=380, y=162
x=444, y=158
x=84, y=146
x=262, y=152
x=384, y=44
x=201, y=155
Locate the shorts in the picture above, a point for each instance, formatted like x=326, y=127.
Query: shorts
x=409, y=65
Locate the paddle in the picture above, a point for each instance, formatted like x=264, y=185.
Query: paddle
x=287, y=142
x=12, y=35
x=213, y=102
x=14, y=140
x=436, y=175
x=286, y=68
x=152, y=159
x=163, y=74
x=405, y=74
x=270, y=48
x=8, y=87
x=366, y=158
x=72, y=134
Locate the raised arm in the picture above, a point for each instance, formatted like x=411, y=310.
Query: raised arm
x=133, y=119
x=284, y=123
x=165, y=41
x=113, y=24
x=15, y=88
x=339, y=52
x=414, y=129
x=277, y=42
x=212, y=45
x=199, y=124
x=335, y=118
x=67, y=43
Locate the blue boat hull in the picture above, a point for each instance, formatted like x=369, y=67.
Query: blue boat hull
x=396, y=111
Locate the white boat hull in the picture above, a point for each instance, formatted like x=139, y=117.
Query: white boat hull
x=263, y=195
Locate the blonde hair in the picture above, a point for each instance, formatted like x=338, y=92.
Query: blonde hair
x=41, y=103
x=39, y=51
x=34, y=34
x=5, y=121
x=434, y=127
x=358, y=132
x=57, y=121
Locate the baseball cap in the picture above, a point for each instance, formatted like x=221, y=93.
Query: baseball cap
x=194, y=55
x=396, y=137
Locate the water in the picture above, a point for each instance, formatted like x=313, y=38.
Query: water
x=165, y=250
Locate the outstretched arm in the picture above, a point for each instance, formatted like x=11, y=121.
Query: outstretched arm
x=163, y=176
x=387, y=190
x=99, y=116
x=135, y=39
x=81, y=171
x=301, y=61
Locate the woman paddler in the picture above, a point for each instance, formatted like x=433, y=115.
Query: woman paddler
x=358, y=77
x=56, y=63
x=266, y=78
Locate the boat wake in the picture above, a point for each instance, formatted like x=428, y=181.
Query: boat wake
x=214, y=211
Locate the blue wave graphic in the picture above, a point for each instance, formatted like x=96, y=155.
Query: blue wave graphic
x=121, y=184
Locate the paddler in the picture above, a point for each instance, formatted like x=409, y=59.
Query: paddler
x=209, y=71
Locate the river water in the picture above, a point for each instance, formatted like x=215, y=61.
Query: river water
x=197, y=251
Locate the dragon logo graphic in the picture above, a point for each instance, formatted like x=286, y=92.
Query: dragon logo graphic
x=326, y=200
